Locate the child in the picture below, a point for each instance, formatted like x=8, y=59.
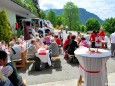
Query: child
x=9, y=70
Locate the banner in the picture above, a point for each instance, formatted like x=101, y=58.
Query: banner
x=98, y=41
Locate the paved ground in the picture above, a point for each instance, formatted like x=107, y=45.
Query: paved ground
x=66, y=72
x=67, y=75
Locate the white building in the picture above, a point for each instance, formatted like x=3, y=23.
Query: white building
x=14, y=11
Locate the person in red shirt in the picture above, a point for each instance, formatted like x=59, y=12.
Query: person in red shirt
x=92, y=39
x=16, y=25
x=58, y=40
x=66, y=43
x=102, y=34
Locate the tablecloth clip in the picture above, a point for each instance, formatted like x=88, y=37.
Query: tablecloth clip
x=80, y=81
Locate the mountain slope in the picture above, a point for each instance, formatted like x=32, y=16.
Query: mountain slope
x=84, y=15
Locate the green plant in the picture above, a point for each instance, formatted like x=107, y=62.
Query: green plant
x=5, y=29
x=20, y=32
x=92, y=24
x=109, y=25
x=27, y=4
x=14, y=35
x=51, y=15
x=83, y=28
x=71, y=16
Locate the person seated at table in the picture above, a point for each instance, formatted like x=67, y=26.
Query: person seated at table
x=9, y=70
x=29, y=41
x=15, y=39
x=32, y=49
x=78, y=40
x=66, y=43
x=54, y=48
x=70, y=50
x=57, y=40
x=47, y=39
x=4, y=81
x=44, y=45
x=22, y=37
x=15, y=52
x=41, y=38
x=72, y=45
x=39, y=42
x=83, y=42
x=12, y=39
x=3, y=45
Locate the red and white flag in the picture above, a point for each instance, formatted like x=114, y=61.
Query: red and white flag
x=98, y=41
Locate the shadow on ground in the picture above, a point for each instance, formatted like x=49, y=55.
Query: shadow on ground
x=31, y=71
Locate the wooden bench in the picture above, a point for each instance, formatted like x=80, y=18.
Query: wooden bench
x=21, y=62
x=56, y=63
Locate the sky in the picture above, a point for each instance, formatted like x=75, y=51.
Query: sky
x=102, y=8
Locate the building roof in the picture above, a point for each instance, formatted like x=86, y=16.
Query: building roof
x=18, y=9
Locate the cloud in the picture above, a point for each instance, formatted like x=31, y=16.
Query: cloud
x=103, y=8
x=49, y=6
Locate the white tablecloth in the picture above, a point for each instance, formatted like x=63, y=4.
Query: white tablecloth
x=93, y=66
x=44, y=58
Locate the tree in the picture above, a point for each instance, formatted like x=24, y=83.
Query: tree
x=92, y=24
x=5, y=29
x=58, y=20
x=71, y=16
x=109, y=25
x=42, y=13
x=83, y=28
x=28, y=4
x=51, y=15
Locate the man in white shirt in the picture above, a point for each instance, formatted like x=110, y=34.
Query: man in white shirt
x=15, y=52
x=112, y=40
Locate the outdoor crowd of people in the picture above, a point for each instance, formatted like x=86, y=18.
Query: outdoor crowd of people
x=51, y=42
x=12, y=51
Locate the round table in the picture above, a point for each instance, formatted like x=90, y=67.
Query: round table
x=93, y=66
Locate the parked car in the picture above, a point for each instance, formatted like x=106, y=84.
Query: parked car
x=43, y=26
